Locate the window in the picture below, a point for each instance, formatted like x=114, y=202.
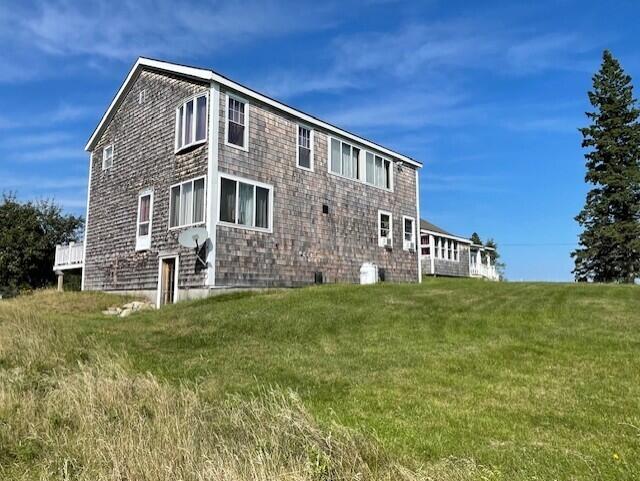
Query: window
x=385, y=229
x=424, y=244
x=107, y=157
x=409, y=239
x=344, y=159
x=186, y=203
x=143, y=232
x=305, y=148
x=142, y=96
x=378, y=171
x=191, y=122
x=245, y=203
x=237, y=132
x=455, y=250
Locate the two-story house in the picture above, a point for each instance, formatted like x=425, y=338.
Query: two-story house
x=286, y=199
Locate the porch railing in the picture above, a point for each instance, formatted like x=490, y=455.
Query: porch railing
x=482, y=270
x=69, y=256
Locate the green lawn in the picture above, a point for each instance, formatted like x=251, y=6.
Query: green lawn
x=533, y=381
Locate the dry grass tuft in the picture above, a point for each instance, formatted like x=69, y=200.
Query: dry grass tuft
x=68, y=418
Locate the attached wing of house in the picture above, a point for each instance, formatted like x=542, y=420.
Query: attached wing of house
x=445, y=254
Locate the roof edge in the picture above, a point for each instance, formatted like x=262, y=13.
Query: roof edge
x=211, y=76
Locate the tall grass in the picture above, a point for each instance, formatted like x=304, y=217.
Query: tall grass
x=69, y=411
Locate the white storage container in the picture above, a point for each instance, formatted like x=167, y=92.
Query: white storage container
x=368, y=273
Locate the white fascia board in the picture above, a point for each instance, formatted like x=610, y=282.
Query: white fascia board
x=446, y=236
x=208, y=76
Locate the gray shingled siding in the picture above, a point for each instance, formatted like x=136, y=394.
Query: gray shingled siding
x=143, y=137
x=305, y=240
x=447, y=267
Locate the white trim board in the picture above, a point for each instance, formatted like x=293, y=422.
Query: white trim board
x=446, y=236
x=206, y=75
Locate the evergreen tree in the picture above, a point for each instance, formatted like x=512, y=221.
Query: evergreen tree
x=610, y=242
x=494, y=255
x=29, y=233
x=475, y=238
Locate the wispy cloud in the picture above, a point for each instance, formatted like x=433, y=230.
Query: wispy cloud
x=121, y=31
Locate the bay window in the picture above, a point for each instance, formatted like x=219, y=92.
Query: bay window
x=191, y=122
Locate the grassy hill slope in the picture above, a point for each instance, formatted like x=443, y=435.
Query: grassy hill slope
x=531, y=381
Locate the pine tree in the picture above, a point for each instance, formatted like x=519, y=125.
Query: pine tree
x=475, y=238
x=494, y=255
x=609, y=248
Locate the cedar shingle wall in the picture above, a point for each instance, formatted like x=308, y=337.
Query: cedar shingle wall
x=143, y=136
x=305, y=240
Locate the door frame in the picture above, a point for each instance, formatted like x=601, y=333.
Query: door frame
x=162, y=258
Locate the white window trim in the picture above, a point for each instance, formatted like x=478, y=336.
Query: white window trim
x=104, y=156
x=206, y=193
x=183, y=103
x=381, y=242
x=405, y=243
x=175, y=278
x=143, y=243
x=311, y=143
x=255, y=183
x=362, y=164
x=244, y=148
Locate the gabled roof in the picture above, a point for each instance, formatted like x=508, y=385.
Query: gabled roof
x=207, y=75
x=427, y=226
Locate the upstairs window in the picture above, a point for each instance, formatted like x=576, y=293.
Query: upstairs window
x=186, y=203
x=245, y=203
x=385, y=229
x=344, y=159
x=378, y=171
x=143, y=232
x=305, y=148
x=107, y=157
x=191, y=122
x=237, y=132
x=409, y=239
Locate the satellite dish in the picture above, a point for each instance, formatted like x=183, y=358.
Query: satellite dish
x=193, y=238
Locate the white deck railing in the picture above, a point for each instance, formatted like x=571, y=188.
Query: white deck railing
x=69, y=256
x=482, y=270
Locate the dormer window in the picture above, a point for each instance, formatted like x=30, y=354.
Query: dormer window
x=191, y=122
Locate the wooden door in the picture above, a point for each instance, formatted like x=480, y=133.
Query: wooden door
x=168, y=281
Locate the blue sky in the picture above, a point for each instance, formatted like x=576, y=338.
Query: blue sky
x=489, y=95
